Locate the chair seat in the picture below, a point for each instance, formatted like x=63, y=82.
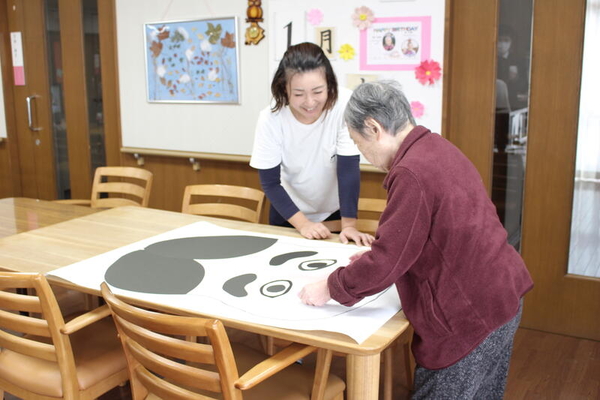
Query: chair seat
x=98, y=353
x=289, y=384
x=292, y=383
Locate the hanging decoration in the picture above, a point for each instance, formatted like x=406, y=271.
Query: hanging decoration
x=363, y=17
x=417, y=108
x=347, y=52
x=314, y=16
x=254, y=33
x=428, y=72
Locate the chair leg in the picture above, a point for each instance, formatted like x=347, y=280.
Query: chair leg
x=91, y=302
x=321, y=374
x=268, y=344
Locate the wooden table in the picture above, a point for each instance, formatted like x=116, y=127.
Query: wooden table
x=59, y=245
x=22, y=214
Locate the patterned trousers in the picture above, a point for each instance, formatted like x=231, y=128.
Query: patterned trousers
x=481, y=375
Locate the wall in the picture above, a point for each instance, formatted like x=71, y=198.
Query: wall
x=176, y=124
x=468, y=117
x=172, y=174
x=196, y=126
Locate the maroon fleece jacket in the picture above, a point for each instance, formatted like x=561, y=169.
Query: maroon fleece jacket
x=441, y=243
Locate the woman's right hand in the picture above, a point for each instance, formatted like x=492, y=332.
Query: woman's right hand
x=314, y=230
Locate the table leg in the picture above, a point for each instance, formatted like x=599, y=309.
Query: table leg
x=362, y=377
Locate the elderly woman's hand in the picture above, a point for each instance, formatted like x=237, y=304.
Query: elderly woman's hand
x=315, y=294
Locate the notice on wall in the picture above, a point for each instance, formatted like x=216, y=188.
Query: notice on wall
x=16, y=46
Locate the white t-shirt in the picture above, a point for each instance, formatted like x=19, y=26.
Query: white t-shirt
x=306, y=154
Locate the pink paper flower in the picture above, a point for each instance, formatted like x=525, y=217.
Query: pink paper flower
x=428, y=71
x=314, y=16
x=362, y=17
x=417, y=108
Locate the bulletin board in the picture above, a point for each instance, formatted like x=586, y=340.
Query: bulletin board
x=366, y=41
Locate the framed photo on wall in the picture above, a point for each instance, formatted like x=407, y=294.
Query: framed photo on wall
x=395, y=43
x=192, y=61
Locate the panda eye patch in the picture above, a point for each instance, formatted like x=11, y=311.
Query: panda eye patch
x=236, y=286
x=276, y=288
x=314, y=265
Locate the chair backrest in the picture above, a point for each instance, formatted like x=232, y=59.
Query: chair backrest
x=45, y=358
x=22, y=316
x=152, y=341
x=235, y=202
x=131, y=185
x=369, y=212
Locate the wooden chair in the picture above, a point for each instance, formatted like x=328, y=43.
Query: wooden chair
x=371, y=210
x=43, y=357
x=163, y=364
x=236, y=202
x=131, y=185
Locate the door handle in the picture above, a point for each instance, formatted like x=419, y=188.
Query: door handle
x=29, y=113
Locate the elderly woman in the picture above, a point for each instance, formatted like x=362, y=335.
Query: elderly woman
x=440, y=242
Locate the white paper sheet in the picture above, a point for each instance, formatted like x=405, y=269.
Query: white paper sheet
x=246, y=287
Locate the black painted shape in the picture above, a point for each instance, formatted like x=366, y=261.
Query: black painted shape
x=282, y=258
x=145, y=272
x=314, y=265
x=276, y=288
x=236, y=286
x=211, y=247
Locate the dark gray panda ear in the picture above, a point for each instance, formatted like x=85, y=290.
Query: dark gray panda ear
x=145, y=272
x=211, y=247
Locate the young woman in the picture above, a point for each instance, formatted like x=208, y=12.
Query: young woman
x=441, y=243
x=307, y=163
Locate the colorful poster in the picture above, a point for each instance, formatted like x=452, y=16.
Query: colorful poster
x=395, y=43
x=192, y=61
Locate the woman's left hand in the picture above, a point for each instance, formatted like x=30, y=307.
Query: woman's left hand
x=351, y=233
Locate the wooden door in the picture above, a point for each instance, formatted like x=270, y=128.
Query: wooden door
x=560, y=302
x=32, y=101
x=51, y=109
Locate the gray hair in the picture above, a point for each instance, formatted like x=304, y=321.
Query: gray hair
x=384, y=101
